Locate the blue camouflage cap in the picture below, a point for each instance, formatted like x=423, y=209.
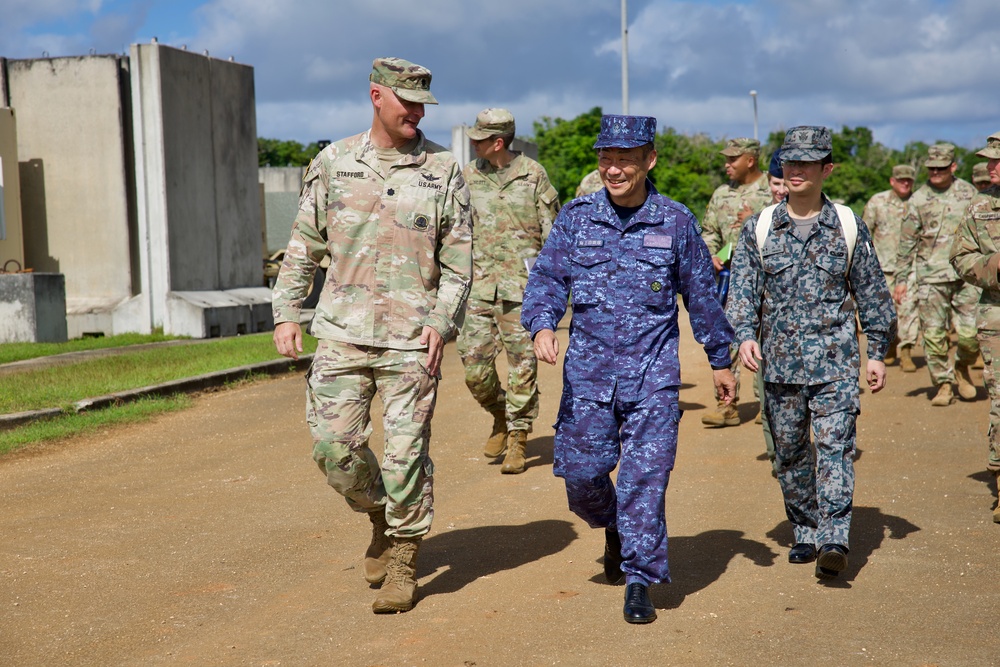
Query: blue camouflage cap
x=774, y=169
x=806, y=143
x=626, y=131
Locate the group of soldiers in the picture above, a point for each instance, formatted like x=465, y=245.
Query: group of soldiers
x=422, y=250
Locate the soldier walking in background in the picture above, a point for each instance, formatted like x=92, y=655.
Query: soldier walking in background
x=391, y=209
x=514, y=205
x=589, y=183
x=796, y=280
x=976, y=257
x=933, y=215
x=884, y=214
x=981, y=176
x=746, y=193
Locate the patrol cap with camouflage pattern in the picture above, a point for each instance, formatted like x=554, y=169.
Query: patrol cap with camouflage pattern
x=411, y=82
x=940, y=155
x=625, y=131
x=980, y=174
x=904, y=171
x=806, y=143
x=740, y=145
x=491, y=123
x=992, y=149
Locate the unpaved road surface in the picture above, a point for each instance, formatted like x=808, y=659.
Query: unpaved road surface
x=209, y=537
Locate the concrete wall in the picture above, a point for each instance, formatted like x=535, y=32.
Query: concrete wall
x=281, y=203
x=32, y=308
x=11, y=234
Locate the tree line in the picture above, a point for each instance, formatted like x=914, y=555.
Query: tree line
x=689, y=167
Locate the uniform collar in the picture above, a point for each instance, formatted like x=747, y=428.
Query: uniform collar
x=650, y=213
x=366, y=153
x=827, y=214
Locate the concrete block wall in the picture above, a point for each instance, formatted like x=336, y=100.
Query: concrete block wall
x=281, y=203
x=11, y=233
x=32, y=308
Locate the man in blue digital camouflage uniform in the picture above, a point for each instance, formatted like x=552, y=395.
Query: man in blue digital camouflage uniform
x=625, y=252
x=800, y=287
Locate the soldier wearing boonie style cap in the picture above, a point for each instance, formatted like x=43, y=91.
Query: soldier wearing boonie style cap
x=975, y=255
x=981, y=176
x=382, y=318
x=514, y=205
x=944, y=300
x=746, y=192
x=796, y=288
x=884, y=214
x=625, y=253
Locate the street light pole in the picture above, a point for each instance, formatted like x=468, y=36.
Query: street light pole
x=753, y=94
x=625, y=57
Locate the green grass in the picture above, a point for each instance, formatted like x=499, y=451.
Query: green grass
x=88, y=422
x=62, y=385
x=19, y=351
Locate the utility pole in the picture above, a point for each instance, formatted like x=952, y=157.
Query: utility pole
x=753, y=94
x=625, y=57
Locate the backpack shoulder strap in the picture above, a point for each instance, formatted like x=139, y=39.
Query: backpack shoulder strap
x=849, y=227
x=763, y=226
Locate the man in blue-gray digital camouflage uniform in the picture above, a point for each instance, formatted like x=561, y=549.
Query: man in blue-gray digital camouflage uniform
x=625, y=252
x=800, y=287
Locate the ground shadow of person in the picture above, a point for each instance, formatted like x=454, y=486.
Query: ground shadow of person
x=868, y=529
x=696, y=561
x=988, y=478
x=465, y=555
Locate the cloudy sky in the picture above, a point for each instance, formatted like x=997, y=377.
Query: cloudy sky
x=910, y=70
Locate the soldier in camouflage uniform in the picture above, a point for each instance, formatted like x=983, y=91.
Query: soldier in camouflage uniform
x=975, y=255
x=800, y=289
x=391, y=210
x=981, y=176
x=933, y=215
x=590, y=183
x=514, y=205
x=884, y=215
x=625, y=253
x=746, y=193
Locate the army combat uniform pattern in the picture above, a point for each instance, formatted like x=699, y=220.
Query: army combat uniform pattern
x=928, y=231
x=801, y=295
x=621, y=371
x=513, y=210
x=401, y=259
x=884, y=214
x=975, y=255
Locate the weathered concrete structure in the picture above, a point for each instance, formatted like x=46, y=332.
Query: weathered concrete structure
x=281, y=203
x=11, y=235
x=32, y=308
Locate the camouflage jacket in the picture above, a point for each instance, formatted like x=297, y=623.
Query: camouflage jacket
x=975, y=255
x=590, y=183
x=721, y=224
x=802, y=298
x=512, y=221
x=884, y=215
x=623, y=339
x=928, y=231
x=400, y=245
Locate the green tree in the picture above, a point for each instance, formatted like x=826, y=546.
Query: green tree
x=566, y=149
x=284, y=153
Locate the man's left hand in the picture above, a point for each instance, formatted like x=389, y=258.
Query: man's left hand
x=435, y=349
x=725, y=385
x=876, y=375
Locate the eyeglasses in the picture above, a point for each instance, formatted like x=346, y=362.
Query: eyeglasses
x=948, y=168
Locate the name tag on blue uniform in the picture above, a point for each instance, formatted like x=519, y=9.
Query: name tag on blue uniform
x=589, y=243
x=657, y=241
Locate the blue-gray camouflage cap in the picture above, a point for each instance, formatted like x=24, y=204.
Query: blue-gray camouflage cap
x=410, y=82
x=626, y=131
x=806, y=143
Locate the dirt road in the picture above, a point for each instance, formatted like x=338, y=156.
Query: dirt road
x=209, y=537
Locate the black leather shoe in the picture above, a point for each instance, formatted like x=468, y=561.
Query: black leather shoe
x=831, y=561
x=612, y=556
x=638, y=607
x=802, y=553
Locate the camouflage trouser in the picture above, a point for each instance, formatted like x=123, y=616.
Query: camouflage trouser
x=907, y=319
x=989, y=343
x=641, y=438
x=488, y=326
x=941, y=304
x=341, y=384
x=817, y=483
x=764, y=421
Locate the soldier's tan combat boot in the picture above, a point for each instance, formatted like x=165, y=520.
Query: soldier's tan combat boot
x=944, y=395
x=399, y=590
x=966, y=389
x=377, y=555
x=513, y=463
x=496, y=444
x=906, y=360
x=724, y=415
x=890, y=355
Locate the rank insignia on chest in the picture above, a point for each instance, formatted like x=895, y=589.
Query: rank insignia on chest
x=420, y=222
x=657, y=241
x=656, y=286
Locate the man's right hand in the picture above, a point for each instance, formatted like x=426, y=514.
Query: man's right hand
x=900, y=293
x=288, y=339
x=547, y=346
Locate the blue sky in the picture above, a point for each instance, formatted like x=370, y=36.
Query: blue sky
x=912, y=70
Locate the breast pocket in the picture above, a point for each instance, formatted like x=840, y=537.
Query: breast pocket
x=419, y=210
x=655, y=277
x=833, y=283
x=591, y=272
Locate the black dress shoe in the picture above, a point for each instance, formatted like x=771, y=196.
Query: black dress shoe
x=802, y=553
x=831, y=561
x=638, y=607
x=612, y=556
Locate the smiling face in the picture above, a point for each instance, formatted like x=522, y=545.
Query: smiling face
x=803, y=178
x=778, y=188
x=739, y=167
x=941, y=178
x=396, y=119
x=623, y=171
x=903, y=187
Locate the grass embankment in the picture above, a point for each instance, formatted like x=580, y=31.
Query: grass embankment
x=63, y=385
x=19, y=351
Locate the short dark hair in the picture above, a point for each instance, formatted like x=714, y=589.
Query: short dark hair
x=508, y=139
